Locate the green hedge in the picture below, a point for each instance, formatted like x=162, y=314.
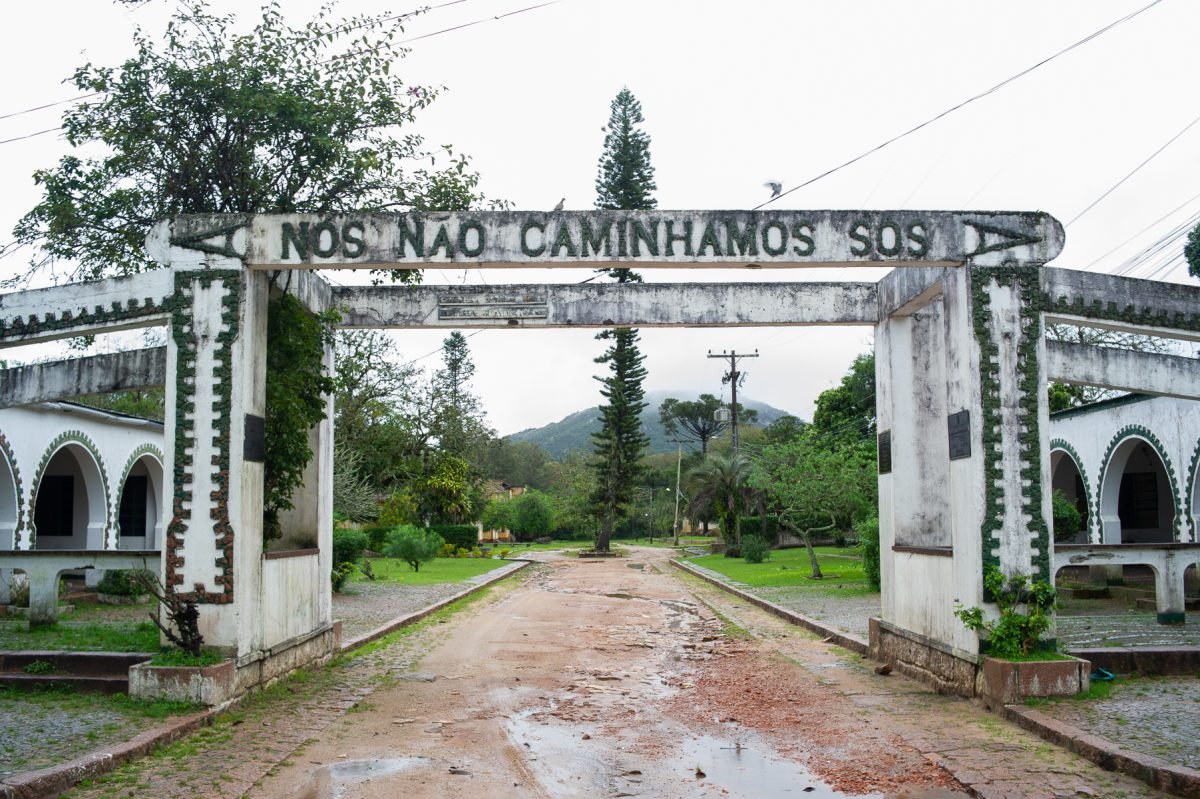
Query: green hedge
x=753, y=525
x=377, y=537
x=460, y=535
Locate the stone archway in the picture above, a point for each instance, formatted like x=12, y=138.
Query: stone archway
x=10, y=510
x=1138, y=503
x=139, y=514
x=70, y=499
x=1066, y=475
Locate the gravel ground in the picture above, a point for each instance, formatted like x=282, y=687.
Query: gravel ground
x=846, y=613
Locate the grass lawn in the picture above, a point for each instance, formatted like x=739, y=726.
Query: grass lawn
x=132, y=636
x=842, y=568
x=438, y=570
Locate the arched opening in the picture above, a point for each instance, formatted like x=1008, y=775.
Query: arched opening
x=1065, y=476
x=8, y=503
x=70, y=508
x=139, y=507
x=1135, y=500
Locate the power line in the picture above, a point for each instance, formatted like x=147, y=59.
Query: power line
x=49, y=105
x=1188, y=201
x=30, y=135
x=963, y=104
x=1136, y=169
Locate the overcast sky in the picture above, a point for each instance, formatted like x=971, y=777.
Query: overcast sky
x=735, y=94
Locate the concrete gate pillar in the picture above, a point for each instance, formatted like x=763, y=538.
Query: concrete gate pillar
x=215, y=398
x=962, y=417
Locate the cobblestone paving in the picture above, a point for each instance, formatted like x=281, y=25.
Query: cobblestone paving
x=1154, y=715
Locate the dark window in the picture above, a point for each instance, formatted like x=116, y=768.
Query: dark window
x=1081, y=501
x=1138, y=503
x=132, y=517
x=55, y=511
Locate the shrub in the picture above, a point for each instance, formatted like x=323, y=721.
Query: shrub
x=755, y=549
x=868, y=539
x=348, y=546
x=461, y=535
x=461, y=552
x=341, y=575
x=447, y=551
x=120, y=582
x=1067, y=519
x=504, y=553
x=1016, y=633
x=414, y=546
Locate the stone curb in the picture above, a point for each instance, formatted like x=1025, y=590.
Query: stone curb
x=842, y=639
x=412, y=618
x=1156, y=772
x=54, y=780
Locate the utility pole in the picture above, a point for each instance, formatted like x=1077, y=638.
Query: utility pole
x=733, y=377
x=678, y=474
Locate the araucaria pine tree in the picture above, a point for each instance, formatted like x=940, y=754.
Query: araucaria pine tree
x=624, y=182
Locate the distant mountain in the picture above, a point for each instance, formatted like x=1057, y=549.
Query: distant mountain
x=574, y=431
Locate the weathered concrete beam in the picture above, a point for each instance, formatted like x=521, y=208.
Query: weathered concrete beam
x=772, y=238
x=903, y=292
x=76, y=309
x=76, y=377
x=608, y=305
x=1123, y=370
x=1124, y=304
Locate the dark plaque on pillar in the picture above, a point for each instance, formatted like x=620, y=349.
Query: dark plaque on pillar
x=254, y=448
x=959, y=427
x=885, y=452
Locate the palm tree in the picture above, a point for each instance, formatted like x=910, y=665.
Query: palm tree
x=721, y=482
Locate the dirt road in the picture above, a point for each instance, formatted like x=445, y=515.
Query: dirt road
x=618, y=678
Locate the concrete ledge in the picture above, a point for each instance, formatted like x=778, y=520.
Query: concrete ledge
x=1156, y=660
x=842, y=639
x=412, y=618
x=1174, y=779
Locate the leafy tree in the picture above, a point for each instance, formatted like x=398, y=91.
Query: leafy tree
x=532, y=515
x=1191, y=252
x=572, y=484
x=696, y=419
x=848, y=410
x=414, y=546
x=498, y=514
x=722, y=482
x=517, y=462
x=399, y=508
x=202, y=119
x=625, y=181
x=783, y=429
x=813, y=486
x=443, y=492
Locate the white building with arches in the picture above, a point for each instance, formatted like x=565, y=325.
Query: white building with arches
x=76, y=478
x=1130, y=464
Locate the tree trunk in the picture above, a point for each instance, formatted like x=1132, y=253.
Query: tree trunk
x=605, y=534
x=812, y=555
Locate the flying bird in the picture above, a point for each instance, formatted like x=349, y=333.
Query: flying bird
x=559, y=207
x=775, y=187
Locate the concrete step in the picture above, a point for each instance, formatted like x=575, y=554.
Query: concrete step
x=108, y=684
x=80, y=664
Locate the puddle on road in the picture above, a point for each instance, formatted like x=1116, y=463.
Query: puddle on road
x=330, y=782
x=566, y=768
x=749, y=772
